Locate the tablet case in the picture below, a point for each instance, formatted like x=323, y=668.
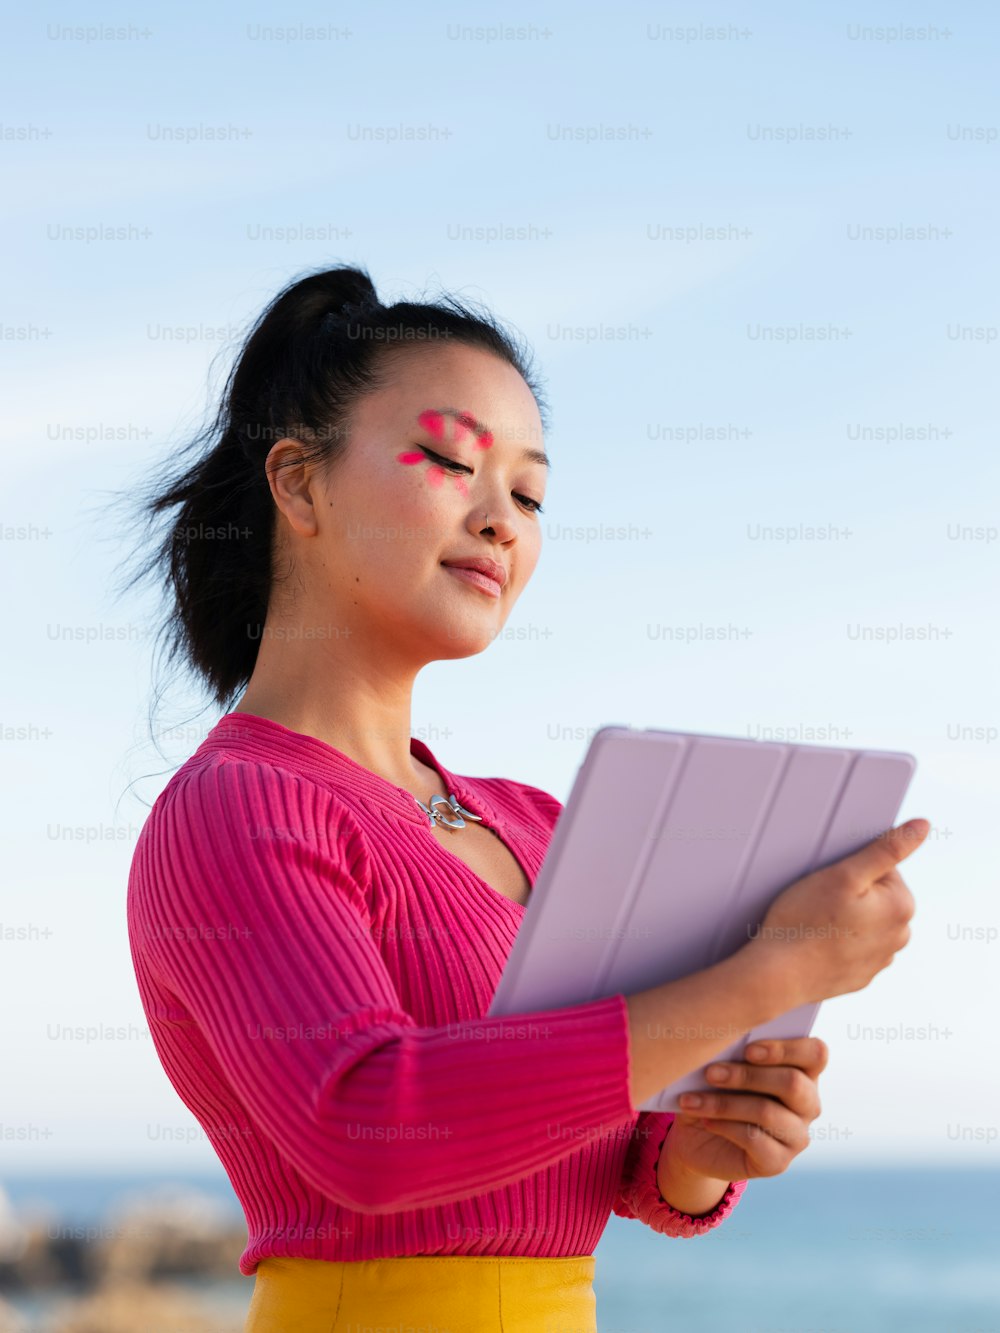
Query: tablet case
x=667, y=854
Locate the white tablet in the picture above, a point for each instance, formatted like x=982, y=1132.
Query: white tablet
x=670, y=849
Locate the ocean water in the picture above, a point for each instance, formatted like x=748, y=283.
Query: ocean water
x=900, y=1250
x=863, y=1251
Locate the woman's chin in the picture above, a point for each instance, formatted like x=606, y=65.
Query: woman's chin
x=467, y=640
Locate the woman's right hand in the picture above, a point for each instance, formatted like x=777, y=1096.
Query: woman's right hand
x=835, y=929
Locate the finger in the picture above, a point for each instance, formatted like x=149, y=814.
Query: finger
x=907, y=904
x=768, y=1154
x=764, y=1113
x=809, y=1053
x=877, y=858
x=789, y=1085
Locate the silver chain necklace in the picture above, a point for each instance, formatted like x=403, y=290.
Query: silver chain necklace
x=452, y=806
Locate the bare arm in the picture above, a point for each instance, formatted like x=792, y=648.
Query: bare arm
x=862, y=906
x=680, y=1025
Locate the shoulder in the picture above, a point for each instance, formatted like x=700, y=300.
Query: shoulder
x=243, y=852
x=228, y=809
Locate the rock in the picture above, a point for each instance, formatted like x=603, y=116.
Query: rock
x=125, y=1307
x=169, y=1232
x=10, y=1320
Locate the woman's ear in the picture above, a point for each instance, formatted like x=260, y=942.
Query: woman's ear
x=293, y=482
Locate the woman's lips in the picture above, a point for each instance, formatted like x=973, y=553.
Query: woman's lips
x=473, y=576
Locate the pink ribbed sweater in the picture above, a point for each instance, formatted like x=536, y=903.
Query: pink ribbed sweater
x=315, y=968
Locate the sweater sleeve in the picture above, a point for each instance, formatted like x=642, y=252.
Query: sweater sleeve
x=247, y=901
x=639, y=1196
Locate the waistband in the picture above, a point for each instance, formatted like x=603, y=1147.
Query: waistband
x=425, y=1294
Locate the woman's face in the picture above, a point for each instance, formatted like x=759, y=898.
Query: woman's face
x=427, y=459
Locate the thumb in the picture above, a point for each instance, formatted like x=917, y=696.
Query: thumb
x=877, y=858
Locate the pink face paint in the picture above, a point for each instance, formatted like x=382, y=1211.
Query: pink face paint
x=466, y=421
x=433, y=421
x=435, y=474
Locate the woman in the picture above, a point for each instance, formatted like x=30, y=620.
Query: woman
x=319, y=910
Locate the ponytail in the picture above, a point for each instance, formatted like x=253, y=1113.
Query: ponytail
x=320, y=345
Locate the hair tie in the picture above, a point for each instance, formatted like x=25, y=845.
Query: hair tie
x=360, y=309
x=350, y=312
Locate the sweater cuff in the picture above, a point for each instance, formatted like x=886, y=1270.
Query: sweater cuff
x=652, y=1208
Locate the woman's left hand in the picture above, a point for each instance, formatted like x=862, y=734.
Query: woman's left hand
x=758, y=1119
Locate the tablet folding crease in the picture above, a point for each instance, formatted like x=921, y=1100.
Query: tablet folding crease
x=710, y=831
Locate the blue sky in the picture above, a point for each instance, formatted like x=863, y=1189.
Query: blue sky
x=788, y=365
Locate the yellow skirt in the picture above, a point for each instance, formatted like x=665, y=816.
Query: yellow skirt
x=425, y=1294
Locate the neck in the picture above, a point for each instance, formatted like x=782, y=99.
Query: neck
x=376, y=737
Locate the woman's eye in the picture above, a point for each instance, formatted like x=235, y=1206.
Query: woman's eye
x=445, y=462
x=534, y=506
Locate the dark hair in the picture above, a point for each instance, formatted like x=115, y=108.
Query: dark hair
x=322, y=343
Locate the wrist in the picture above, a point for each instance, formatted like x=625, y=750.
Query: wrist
x=685, y=1190
x=773, y=975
